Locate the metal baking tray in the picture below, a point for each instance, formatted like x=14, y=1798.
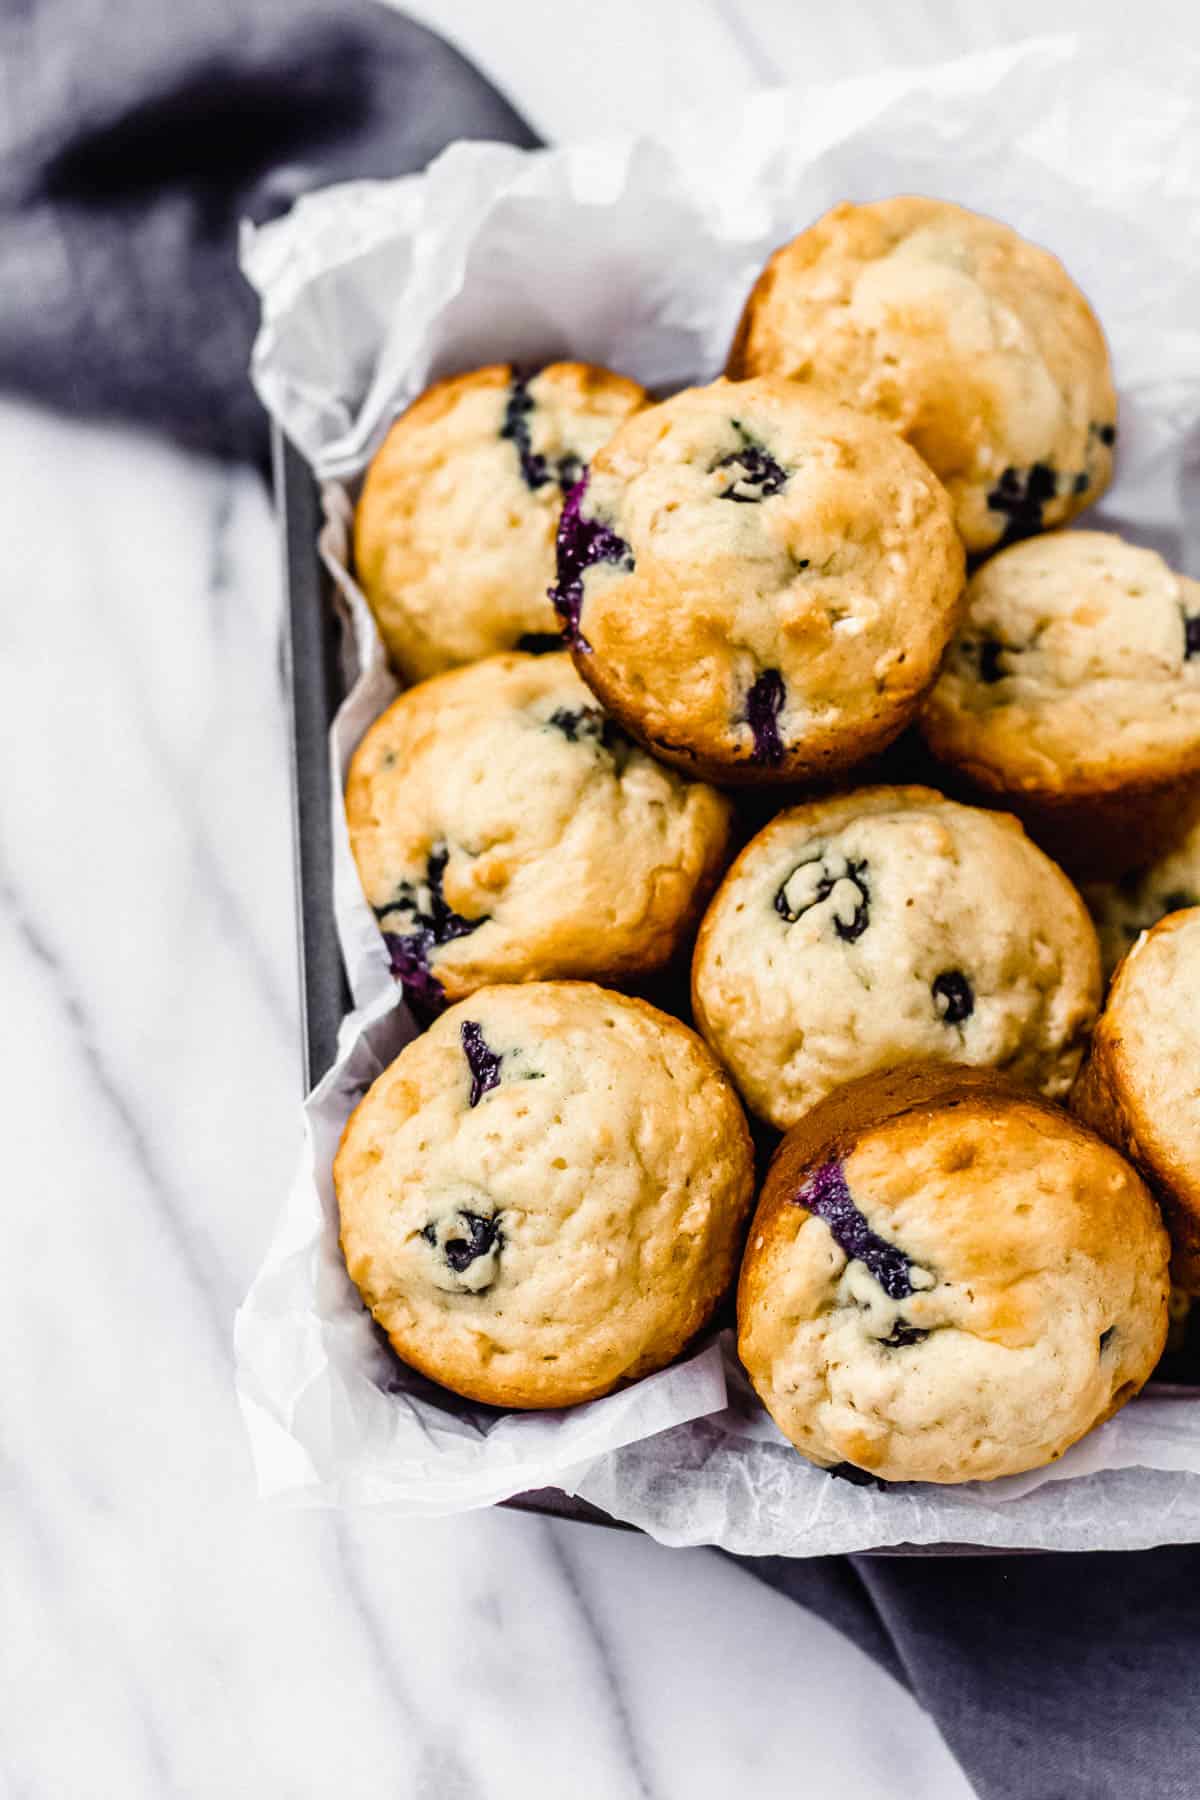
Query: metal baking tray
x=314, y=683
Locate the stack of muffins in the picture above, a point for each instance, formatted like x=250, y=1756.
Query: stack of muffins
x=789, y=679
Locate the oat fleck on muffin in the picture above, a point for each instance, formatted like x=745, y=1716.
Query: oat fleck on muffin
x=454, y=533
x=973, y=343
x=506, y=829
x=1072, y=694
x=757, y=582
x=948, y=1279
x=1140, y=1087
x=892, y=926
x=545, y=1194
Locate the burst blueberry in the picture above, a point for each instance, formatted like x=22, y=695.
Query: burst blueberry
x=483, y=1062
x=1021, y=497
x=827, y=1195
x=515, y=430
x=408, y=951
x=830, y=873
x=953, y=997
x=757, y=476
x=582, y=543
x=478, y=1236
x=764, y=703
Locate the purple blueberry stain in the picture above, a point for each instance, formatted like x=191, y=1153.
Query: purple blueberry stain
x=582, y=544
x=536, y=469
x=953, y=997
x=822, y=876
x=409, y=951
x=1020, y=496
x=408, y=960
x=515, y=430
x=827, y=1195
x=756, y=474
x=482, y=1060
x=764, y=703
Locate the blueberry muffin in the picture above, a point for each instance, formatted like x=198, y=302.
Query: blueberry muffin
x=948, y=1279
x=505, y=829
x=545, y=1194
x=1140, y=1086
x=892, y=926
x=454, y=533
x=1072, y=695
x=974, y=344
x=1123, y=909
x=758, y=583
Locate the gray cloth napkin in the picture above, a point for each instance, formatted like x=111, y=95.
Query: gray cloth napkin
x=1050, y=1677
x=133, y=137
x=134, y=134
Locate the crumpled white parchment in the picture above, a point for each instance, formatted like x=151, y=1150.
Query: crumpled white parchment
x=638, y=254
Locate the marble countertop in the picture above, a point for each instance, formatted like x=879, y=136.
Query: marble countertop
x=164, y=1633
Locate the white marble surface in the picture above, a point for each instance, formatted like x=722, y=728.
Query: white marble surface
x=163, y=1634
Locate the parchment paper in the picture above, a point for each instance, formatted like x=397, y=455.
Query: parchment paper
x=638, y=254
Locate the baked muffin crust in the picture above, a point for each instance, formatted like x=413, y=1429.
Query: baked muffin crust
x=972, y=342
x=1140, y=1087
x=505, y=829
x=544, y=1195
x=892, y=926
x=757, y=582
x=947, y=1279
x=454, y=532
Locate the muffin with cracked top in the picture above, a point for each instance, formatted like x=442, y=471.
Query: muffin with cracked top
x=1140, y=1086
x=505, y=829
x=948, y=1279
x=886, y=927
x=1123, y=909
x=1072, y=695
x=544, y=1195
x=454, y=532
x=956, y=331
x=757, y=582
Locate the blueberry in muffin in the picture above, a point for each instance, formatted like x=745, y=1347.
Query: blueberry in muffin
x=506, y=829
x=758, y=583
x=1071, y=696
x=455, y=528
x=954, y=330
x=891, y=926
x=564, y=1221
x=948, y=1279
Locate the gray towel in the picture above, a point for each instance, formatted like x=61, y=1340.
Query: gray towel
x=134, y=136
